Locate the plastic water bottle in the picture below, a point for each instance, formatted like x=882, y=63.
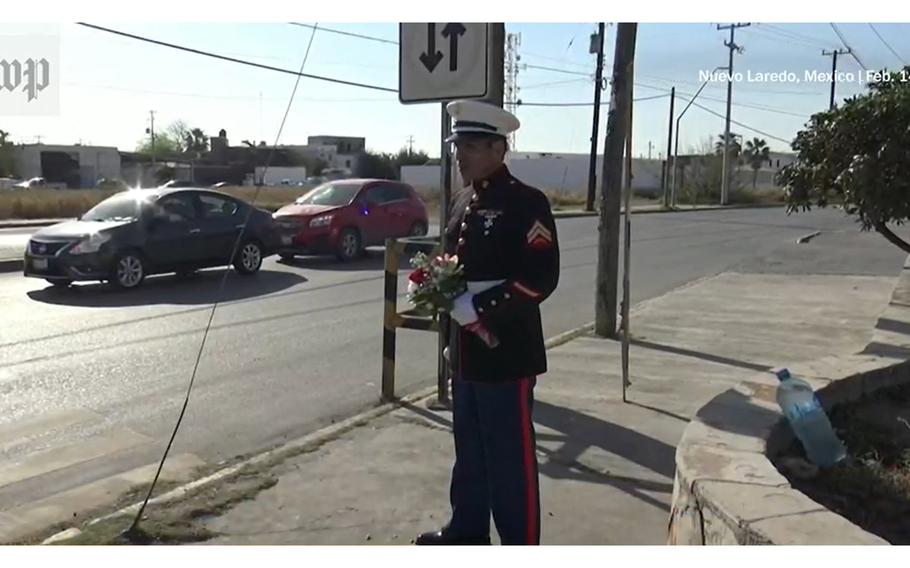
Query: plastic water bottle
x=808, y=419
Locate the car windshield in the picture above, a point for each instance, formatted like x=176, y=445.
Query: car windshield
x=121, y=207
x=330, y=194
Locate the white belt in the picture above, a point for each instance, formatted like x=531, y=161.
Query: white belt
x=478, y=286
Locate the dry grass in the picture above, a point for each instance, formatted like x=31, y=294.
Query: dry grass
x=48, y=203
x=53, y=204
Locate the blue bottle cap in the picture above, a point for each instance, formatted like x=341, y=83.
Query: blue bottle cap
x=783, y=374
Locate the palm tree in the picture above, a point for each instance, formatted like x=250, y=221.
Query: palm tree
x=196, y=142
x=757, y=153
x=735, y=147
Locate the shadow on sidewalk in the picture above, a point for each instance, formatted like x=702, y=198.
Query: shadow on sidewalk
x=888, y=324
x=578, y=432
x=700, y=355
x=715, y=413
x=584, y=431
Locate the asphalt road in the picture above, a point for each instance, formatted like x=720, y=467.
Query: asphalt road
x=300, y=344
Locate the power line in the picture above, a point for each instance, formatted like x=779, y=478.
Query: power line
x=554, y=83
x=742, y=89
x=132, y=532
x=558, y=60
x=339, y=32
x=771, y=36
x=744, y=105
x=239, y=61
x=651, y=98
x=529, y=66
x=852, y=52
x=741, y=125
x=815, y=42
x=605, y=103
x=896, y=54
x=752, y=106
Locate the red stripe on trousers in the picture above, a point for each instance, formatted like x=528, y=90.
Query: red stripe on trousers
x=530, y=481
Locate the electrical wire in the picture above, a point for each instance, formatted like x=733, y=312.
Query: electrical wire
x=781, y=32
x=133, y=529
x=554, y=70
x=744, y=105
x=888, y=45
x=553, y=84
x=235, y=60
x=641, y=99
x=852, y=52
x=339, y=32
x=741, y=125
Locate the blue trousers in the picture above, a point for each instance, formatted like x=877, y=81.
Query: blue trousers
x=495, y=461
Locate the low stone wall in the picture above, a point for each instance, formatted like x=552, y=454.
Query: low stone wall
x=727, y=491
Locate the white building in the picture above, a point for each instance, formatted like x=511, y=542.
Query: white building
x=76, y=166
x=281, y=175
x=566, y=173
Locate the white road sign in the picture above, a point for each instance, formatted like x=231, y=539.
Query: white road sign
x=442, y=61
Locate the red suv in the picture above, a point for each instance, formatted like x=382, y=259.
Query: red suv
x=344, y=216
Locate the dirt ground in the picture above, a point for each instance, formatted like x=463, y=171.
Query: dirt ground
x=871, y=487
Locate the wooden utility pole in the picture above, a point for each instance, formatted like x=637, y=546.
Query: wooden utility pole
x=612, y=178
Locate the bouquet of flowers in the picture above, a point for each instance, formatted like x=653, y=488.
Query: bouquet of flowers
x=433, y=286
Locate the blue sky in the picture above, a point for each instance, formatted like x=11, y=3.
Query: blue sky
x=109, y=83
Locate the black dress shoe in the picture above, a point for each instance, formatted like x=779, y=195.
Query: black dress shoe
x=445, y=537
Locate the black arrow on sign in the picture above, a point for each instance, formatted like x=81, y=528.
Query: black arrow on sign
x=453, y=31
x=431, y=57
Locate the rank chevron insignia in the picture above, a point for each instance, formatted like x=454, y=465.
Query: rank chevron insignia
x=539, y=235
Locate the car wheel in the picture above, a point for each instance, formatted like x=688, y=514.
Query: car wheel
x=418, y=229
x=249, y=258
x=128, y=271
x=59, y=283
x=350, y=245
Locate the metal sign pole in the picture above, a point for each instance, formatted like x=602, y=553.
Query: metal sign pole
x=627, y=246
x=445, y=186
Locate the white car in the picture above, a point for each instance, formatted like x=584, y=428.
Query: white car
x=34, y=183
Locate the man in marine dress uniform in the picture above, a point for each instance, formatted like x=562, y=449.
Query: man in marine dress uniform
x=504, y=234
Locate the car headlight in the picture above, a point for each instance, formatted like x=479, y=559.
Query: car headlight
x=90, y=244
x=323, y=221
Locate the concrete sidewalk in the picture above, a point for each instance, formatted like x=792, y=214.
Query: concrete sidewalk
x=606, y=466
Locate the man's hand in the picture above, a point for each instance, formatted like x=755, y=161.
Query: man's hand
x=463, y=309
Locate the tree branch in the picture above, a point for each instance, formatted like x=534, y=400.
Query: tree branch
x=888, y=234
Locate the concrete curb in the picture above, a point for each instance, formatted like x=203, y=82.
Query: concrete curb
x=319, y=437
x=727, y=491
x=12, y=265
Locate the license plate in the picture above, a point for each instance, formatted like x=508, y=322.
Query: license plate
x=39, y=263
x=286, y=240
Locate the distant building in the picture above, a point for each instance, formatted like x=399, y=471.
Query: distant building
x=77, y=166
x=345, y=144
x=550, y=171
x=347, y=149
